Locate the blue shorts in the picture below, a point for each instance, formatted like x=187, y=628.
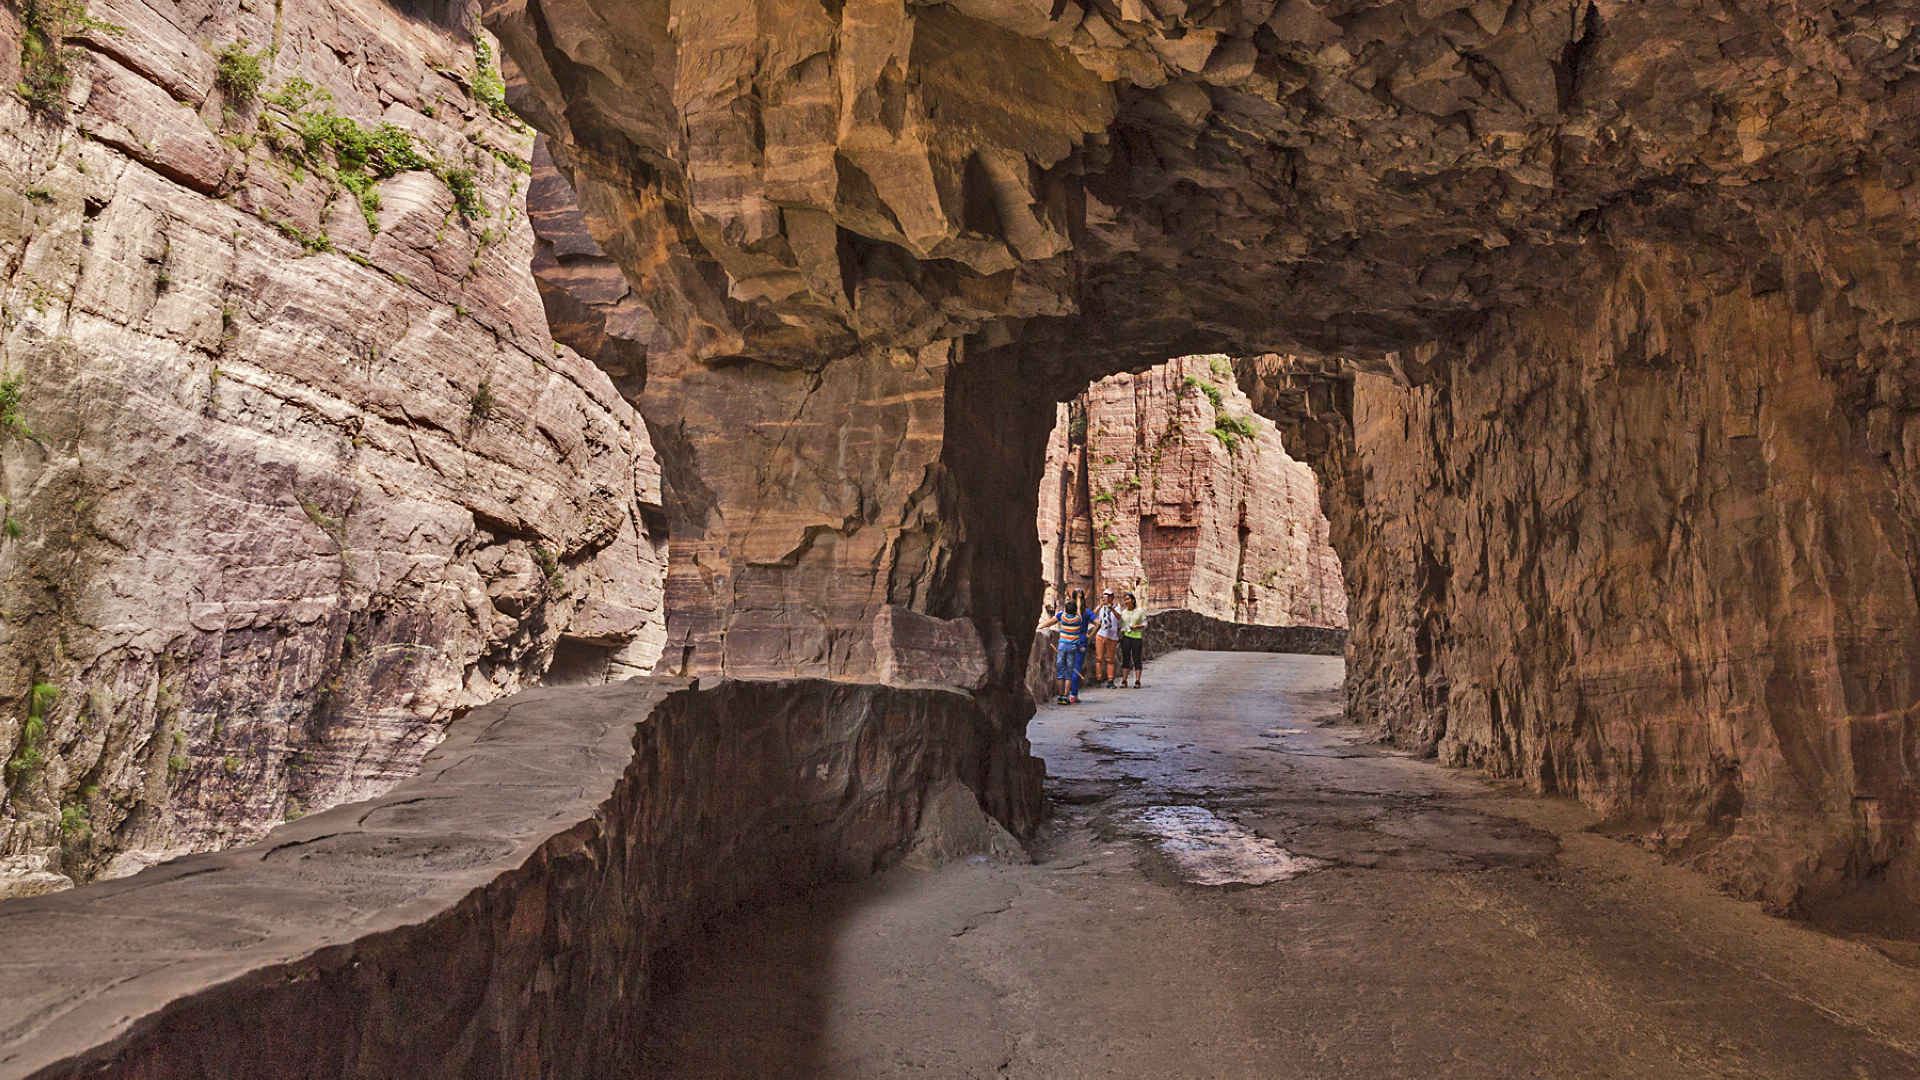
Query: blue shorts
x=1066, y=660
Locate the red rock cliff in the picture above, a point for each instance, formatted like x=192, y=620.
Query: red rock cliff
x=292, y=472
x=1167, y=483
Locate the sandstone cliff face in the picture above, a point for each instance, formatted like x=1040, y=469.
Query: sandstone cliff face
x=1597, y=248
x=813, y=509
x=808, y=504
x=1153, y=487
x=1657, y=553
x=299, y=474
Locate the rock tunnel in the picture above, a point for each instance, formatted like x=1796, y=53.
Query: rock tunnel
x=1593, y=319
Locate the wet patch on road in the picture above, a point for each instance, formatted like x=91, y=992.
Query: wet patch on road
x=1240, y=795
x=1122, y=743
x=1400, y=833
x=1301, y=742
x=1206, y=849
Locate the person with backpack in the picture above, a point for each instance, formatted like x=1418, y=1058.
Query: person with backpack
x=1071, y=624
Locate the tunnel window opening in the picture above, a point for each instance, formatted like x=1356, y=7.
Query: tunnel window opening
x=1167, y=484
x=578, y=662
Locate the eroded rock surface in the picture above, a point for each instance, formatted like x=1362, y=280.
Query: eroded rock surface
x=1153, y=486
x=1663, y=563
x=301, y=475
x=1615, y=249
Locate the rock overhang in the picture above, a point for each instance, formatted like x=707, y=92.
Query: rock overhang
x=1345, y=178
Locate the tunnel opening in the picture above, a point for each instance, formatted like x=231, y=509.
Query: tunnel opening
x=1164, y=486
x=1168, y=484
x=579, y=662
x=1616, y=451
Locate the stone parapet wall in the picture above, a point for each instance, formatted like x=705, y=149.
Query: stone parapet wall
x=1171, y=631
x=498, y=915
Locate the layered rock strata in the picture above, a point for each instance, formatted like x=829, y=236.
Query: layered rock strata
x=1506, y=208
x=499, y=914
x=1169, y=485
x=292, y=471
x=1656, y=553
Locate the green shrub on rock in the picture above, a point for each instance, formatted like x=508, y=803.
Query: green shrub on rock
x=27, y=755
x=238, y=72
x=13, y=392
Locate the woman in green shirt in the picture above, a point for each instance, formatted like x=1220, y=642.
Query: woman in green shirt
x=1133, y=626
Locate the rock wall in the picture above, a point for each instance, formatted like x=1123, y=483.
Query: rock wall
x=814, y=474
x=1153, y=487
x=498, y=915
x=295, y=473
x=812, y=505
x=1721, y=653
x=868, y=263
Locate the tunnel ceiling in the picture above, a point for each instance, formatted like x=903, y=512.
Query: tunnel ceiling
x=792, y=180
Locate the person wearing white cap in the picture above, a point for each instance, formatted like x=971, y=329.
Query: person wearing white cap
x=1106, y=641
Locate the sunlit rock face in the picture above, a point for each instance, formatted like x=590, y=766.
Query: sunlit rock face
x=1168, y=485
x=1628, y=511
x=301, y=478
x=812, y=515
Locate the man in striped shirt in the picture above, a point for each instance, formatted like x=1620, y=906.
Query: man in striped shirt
x=1071, y=622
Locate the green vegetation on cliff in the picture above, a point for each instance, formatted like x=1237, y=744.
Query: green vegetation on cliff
x=1228, y=428
x=13, y=392
x=27, y=754
x=239, y=73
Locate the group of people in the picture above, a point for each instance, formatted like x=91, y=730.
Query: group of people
x=1116, y=634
